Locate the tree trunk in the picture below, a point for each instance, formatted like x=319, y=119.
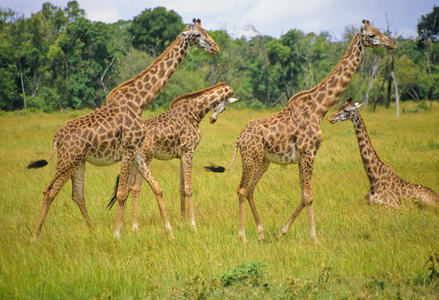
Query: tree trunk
x=22, y=89
x=396, y=93
x=375, y=67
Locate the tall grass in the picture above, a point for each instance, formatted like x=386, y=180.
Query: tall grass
x=364, y=251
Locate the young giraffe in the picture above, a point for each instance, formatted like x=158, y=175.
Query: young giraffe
x=293, y=135
x=386, y=188
x=175, y=134
x=115, y=131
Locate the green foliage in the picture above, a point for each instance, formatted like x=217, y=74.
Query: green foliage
x=81, y=61
x=432, y=268
x=249, y=273
x=155, y=29
x=423, y=105
x=428, y=26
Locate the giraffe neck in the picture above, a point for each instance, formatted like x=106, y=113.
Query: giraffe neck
x=324, y=95
x=371, y=161
x=141, y=90
x=204, y=104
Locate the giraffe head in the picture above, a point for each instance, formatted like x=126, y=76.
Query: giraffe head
x=220, y=108
x=347, y=111
x=198, y=36
x=372, y=37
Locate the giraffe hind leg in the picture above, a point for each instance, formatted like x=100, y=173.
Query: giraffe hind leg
x=252, y=172
x=135, y=187
x=49, y=195
x=250, y=198
x=78, y=193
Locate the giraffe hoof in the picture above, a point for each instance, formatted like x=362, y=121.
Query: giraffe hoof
x=243, y=239
x=116, y=235
x=279, y=235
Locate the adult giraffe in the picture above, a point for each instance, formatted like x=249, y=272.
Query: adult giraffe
x=176, y=134
x=115, y=131
x=293, y=135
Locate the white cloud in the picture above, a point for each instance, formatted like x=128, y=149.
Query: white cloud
x=267, y=16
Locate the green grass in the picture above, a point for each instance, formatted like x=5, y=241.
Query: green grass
x=364, y=251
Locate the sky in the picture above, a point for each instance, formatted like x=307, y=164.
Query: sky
x=268, y=17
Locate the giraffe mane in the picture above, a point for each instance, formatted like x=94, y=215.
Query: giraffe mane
x=195, y=94
x=141, y=74
x=311, y=90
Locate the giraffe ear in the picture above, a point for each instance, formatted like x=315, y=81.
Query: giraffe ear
x=231, y=100
x=184, y=34
x=357, y=106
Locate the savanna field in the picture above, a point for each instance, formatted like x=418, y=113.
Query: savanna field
x=364, y=251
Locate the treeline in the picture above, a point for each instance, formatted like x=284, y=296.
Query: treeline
x=58, y=59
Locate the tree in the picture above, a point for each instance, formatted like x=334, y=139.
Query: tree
x=155, y=29
x=428, y=30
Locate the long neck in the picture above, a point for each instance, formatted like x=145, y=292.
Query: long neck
x=145, y=87
x=205, y=103
x=324, y=95
x=373, y=165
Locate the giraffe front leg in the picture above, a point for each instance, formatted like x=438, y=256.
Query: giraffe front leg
x=186, y=189
x=305, y=172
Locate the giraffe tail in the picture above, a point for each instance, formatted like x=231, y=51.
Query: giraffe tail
x=42, y=162
x=114, y=198
x=218, y=169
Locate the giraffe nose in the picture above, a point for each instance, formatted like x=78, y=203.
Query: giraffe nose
x=214, y=49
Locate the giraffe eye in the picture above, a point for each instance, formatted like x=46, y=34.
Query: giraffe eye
x=372, y=35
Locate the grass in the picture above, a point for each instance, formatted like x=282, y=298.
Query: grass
x=364, y=251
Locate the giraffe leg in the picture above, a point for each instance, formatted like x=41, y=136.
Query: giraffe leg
x=147, y=175
x=78, y=192
x=250, y=167
x=182, y=194
x=135, y=192
x=305, y=172
x=186, y=189
x=250, y=197
x=50, y=193
x=122, y=190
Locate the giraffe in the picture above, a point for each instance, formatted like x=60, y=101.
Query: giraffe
x=175, y=134
x=114, y=131
x=386, y=188
x=293, y=135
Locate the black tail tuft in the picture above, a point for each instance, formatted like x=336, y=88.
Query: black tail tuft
x=37, y=164
x=114, y=199
x=214, y=168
